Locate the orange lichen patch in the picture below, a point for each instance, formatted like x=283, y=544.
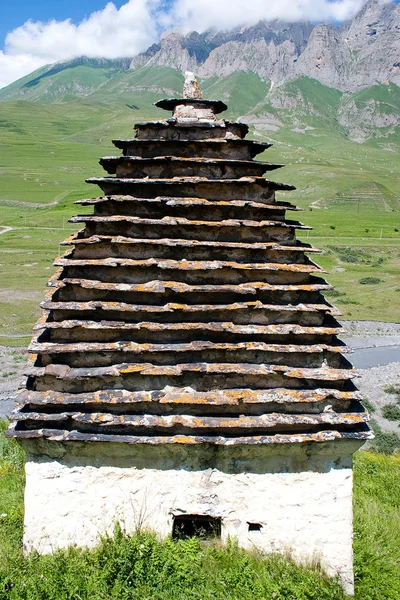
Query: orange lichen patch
x=41, y=322
x=133, y=347
x=184, y=221
x=31, y=359
x=75, y=240
x=193, y=423
x=188, y=243
x=190, y=397
x=114, y=160
x=187, y=201
x=189, y=265
x=284, y=329
x=216, y=145
x=58, y=435
x=264, y=183
x=188, y=308
x=323, y=374
x=160, y=287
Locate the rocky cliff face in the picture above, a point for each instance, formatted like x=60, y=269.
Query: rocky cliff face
x=350, y=57
x=270, y=61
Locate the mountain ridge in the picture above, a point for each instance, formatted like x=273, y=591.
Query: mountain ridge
x=355, y=55
x=272, y=74
x=352, y=56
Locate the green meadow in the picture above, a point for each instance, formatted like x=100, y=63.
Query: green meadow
x=51, y=141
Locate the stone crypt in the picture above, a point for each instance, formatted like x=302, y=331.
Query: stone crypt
x=186, y=374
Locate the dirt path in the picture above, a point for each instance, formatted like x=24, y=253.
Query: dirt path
x=4, y=229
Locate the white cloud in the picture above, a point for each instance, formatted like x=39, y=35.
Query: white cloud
x=109, y=33
x=113, y=33
x=226, y=14
x=15, y=67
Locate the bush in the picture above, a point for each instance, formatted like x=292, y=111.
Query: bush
x=334, y=293
x=370, y=281
x=348, y=254
x=384, y=442
x=391, y=412
x=392, y=388
x=349, y=301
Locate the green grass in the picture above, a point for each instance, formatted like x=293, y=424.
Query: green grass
x=240, y=91
x=12, y=481
x=139, y=566
x=365, y=261
x=377, y=526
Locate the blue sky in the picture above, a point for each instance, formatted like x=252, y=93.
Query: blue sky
x=14, y=14
x=34, y=33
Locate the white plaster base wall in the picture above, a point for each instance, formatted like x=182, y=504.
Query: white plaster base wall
x=303, y=499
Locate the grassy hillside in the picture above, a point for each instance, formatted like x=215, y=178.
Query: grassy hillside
x=349, y=191
x=240, y=91
x=64, y=81
x=140, y=567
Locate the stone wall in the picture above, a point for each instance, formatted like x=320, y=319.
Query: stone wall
x=301, y=497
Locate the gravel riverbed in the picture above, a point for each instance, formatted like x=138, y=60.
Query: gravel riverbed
x=379, y=340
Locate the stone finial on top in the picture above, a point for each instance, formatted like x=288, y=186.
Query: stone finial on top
x=191, y=87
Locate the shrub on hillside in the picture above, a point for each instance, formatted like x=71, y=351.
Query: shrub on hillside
x=393, y=388
x=385, y=442
x=370, y=281
x=348, y=254
x=391, y=412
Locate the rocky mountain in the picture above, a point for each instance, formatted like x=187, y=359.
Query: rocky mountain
x=274, y=75
x=350, y=57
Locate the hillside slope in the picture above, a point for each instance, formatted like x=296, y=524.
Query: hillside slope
x=304, y=102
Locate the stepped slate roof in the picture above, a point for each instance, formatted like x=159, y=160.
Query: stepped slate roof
x=186, y=311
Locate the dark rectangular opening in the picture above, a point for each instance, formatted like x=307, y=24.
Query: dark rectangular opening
x=254, y=526
x=202, y=526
